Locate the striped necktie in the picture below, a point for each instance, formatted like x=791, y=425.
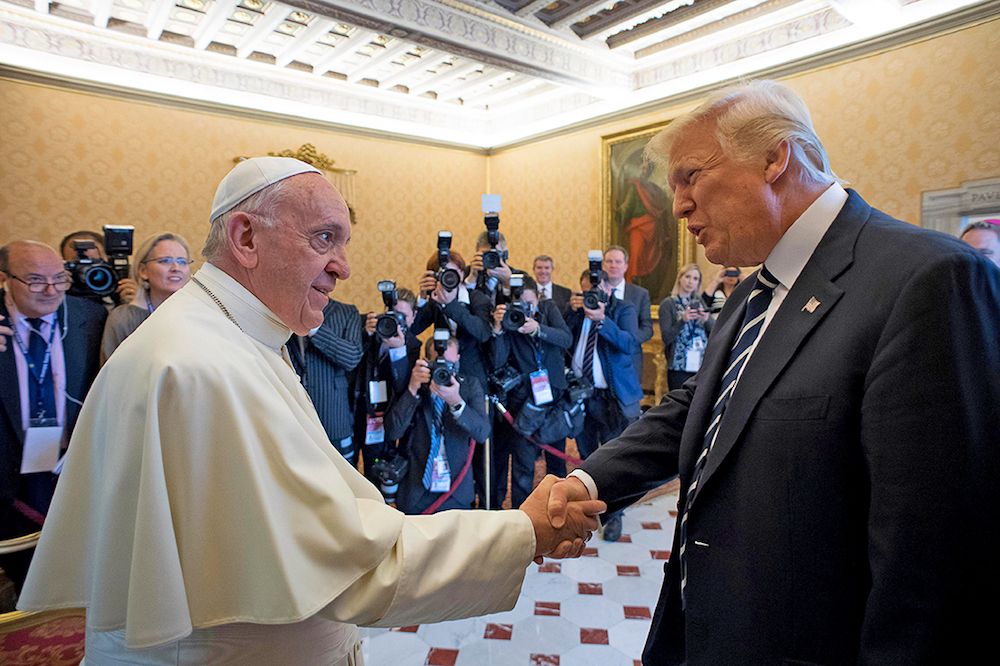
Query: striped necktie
x=588, y=352
x=753, y=323
x=437, y=434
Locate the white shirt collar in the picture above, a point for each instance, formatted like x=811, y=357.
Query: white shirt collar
x=798, y=243
x=253, y=316
x=619, y=291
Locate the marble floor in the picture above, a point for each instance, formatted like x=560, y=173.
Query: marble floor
x=593, y=611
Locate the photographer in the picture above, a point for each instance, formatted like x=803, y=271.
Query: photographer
x=127, y=288
x=717, y=291
x=684, y=326
x=494, y=281
x=388, y=359
x=532, y=338
x=437, y=423
x=605, y=340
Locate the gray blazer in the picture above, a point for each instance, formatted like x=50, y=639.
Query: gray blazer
x=848, y=511
x=639, y=297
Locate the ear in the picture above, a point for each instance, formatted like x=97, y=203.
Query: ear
x=777, y=162
x=242, y=239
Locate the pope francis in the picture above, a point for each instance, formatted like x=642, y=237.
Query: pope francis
x=204, y=517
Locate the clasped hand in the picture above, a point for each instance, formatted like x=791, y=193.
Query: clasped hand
x=563, y=523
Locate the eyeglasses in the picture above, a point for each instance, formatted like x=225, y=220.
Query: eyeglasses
x=167, y=261
x=37, y=285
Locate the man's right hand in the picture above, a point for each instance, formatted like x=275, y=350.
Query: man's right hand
x=428, y=283
x=421, y=375
x=370, y=320
x=576, y=300
x=579, y=520
x=565, y=491
x=498, y=314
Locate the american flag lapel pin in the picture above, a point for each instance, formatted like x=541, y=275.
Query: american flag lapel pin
x=811, y=306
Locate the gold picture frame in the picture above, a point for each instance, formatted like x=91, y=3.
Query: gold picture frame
x=636, y=213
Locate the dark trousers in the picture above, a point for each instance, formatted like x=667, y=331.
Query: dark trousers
x=554, y=464
x=522, y=455
x=602, y=423
x=675, y=378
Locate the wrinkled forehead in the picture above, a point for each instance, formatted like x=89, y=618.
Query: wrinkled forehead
x=33, y=259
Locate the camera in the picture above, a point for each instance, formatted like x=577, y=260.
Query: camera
x=493, y=257
x=96, y=277
x=390, y=323
x=593, y=298
x=389, y=472
x=578, y=389
x=448, y=278
x=517, y=310
x=503, y=381
x=731, y=272
x=443, y=370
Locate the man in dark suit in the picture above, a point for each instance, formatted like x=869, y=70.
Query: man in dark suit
x=548, y=290
x=838, y=448
x=324, y=360
x=604, y=344
x=46, y=369
x=535, y=351
x=616, y=265
x=437, y=424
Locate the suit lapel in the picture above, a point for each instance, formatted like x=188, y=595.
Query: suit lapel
x=10, y=395
x=792, y=324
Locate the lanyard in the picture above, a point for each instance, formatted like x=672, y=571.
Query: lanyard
x=38, y=376
x=538, y=352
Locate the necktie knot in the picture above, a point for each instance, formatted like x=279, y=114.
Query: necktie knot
x=766, y=279
x=35, y=323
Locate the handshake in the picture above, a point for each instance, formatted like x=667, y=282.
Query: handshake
x=563, y=515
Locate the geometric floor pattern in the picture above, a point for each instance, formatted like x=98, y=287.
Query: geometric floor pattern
x=592, y=611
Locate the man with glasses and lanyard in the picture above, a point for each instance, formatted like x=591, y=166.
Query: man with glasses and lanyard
x=48, y=359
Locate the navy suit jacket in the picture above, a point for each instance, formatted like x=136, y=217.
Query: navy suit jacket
x=617, y=343
x=848, y=511
x=84, y=324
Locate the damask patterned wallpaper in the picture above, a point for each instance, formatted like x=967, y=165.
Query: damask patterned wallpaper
x=922, y=117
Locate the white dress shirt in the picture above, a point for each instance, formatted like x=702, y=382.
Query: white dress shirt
x=22, y=329
x=581, y=347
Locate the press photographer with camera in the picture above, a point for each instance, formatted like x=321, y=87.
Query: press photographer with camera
x=438, y=419
x=162, y=266
x=605, y=340
x=717, y=291
x=391, y=350
x=531, y=338
x=113, y=285
x=489, y=272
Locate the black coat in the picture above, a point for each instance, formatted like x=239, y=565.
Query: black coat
x=518, y=351
x=474, y=329
x=848, y=512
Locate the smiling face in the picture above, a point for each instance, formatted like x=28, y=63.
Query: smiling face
x=543, y=271
x=303, y=253
x=167, y=277
x=730, y=207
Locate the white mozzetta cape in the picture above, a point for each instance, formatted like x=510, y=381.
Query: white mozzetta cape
x=200, y=489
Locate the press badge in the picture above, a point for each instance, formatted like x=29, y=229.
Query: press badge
x=377, y=392
x=41, y=446
x=695, y=355
x=440, y=475
x=374, y=430
x=540, y=388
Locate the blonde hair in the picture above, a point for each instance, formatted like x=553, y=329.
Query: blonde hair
x=750, y=121
x=681, y=273
x=148, y=244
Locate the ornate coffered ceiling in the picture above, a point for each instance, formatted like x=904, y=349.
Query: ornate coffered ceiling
x=475, y=72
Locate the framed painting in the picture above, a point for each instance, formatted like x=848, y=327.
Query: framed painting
x=637, y=214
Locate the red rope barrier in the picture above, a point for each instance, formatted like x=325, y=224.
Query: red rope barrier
x=545, y=447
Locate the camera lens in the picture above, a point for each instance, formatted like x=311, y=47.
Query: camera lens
x=513, y=318
x=441, y=375
x=449, y=279
x=491, y=259
x=99, y=279
x=387, y=326
x=591, y=301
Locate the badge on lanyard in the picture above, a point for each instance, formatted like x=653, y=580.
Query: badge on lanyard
x=377, y=392
x=695, y=355
x=540, y=388
x=41, y=446
x=440, y=473
x=374, y=430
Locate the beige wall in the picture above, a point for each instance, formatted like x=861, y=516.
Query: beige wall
x=922, y=117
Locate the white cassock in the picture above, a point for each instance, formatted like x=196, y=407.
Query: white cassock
x=202, y=509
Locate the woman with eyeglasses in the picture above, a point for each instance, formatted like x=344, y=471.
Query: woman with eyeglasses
x=162, y=266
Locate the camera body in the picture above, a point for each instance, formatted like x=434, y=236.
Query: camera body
x=448, y=278
x=97, y=277
x=731, y=272
x=593, y=298
x=503, y=381
x=443, y=371
x=389, y=472
x=492, y=258
x=390, y=323
x=518, y=311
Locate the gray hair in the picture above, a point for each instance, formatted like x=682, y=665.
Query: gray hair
x=263, y=204
x=750, y=121
x=982, y=225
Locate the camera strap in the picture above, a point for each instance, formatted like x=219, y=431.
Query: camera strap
x=545, y=447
